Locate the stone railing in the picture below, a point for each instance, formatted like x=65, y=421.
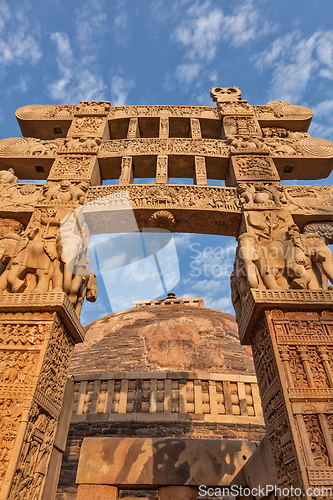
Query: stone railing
x=149, y=396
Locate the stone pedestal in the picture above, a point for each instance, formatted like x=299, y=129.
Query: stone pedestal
x=291, y=333
x=37, y=336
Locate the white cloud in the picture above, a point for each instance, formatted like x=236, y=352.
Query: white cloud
x=17, y=41
x=91, y=23
x=295, y=61
x=120, y=89
x=206, y=26
x=121, y=21
x=200, y=32
x=187, y=73
x=21, y=85
x=76, y=82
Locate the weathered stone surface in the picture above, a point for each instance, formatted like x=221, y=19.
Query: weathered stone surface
x=184, y=338
x=179, y=492
x=160, y=462
x=97, y=492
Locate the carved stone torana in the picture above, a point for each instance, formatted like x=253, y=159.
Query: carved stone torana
x=44, y=266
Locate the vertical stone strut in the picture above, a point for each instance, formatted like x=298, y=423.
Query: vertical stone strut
x=42, y=288
x=278, y=290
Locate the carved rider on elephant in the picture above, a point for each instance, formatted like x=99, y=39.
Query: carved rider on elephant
x=33, y=256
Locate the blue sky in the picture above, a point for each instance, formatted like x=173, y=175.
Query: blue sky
x=168, y=52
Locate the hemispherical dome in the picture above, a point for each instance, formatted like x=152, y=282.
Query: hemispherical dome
x=163, y=338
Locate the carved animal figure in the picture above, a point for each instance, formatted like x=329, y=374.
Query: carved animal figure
x=34, y=256
x=317, y=201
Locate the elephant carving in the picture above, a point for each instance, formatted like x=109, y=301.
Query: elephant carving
x=33, y=256
x=292, y=260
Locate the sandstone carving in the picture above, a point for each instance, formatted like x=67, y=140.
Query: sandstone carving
x=65, y=192
x=261, y=194
x=79, y=144
x=162, y=219
x=281, y=284
x=19, y=195
x=72, y=167
x=220, y=94
x=246, y=145
x=203, y=147
x=19, y=146
x=323, y=229
x=8, y=177
x=273, y=254
x=87, y=125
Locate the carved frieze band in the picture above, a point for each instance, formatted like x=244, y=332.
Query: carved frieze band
x=275, y=110
x=152, y=196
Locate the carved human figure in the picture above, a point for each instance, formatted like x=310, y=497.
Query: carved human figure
x=298, y=265
x=34, y=256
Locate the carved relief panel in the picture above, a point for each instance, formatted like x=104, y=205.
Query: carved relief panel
x=241, y=125
x=75, y=167
x=252, y=169
x=89, y=126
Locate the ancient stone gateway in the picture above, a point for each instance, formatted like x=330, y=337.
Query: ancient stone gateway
x=281, y=284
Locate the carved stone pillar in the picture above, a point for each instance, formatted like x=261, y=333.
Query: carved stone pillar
x=162, y=176
x=164, y=126
x=133, y=128
x=195, y=128
x=126, y=173
x=200, y=172
x=37, y=336
x=288, y=338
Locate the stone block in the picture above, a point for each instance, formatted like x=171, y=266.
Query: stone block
x=97, y=492
x=153, y=462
